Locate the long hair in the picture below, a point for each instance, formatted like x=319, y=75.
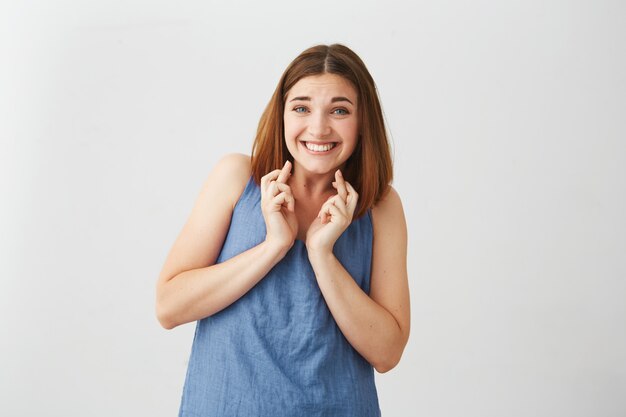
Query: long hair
x=369, y=169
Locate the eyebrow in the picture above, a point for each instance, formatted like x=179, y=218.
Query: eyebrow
x=333, y=100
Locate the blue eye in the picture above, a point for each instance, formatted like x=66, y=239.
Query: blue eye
x=341, y=112
x=300, y=109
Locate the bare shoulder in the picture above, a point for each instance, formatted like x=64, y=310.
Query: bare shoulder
x=232, y=173
x=388, y=213
x=235, y=160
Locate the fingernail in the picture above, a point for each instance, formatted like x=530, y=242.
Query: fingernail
x=339, y=171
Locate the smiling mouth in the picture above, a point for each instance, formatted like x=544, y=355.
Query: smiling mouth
x=320, y=148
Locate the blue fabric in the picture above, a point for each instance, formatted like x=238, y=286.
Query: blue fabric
x=277, y=351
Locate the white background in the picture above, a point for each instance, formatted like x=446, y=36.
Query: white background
x=509, y=129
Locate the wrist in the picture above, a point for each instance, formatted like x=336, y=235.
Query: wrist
x=319, y=254
x=277, y=247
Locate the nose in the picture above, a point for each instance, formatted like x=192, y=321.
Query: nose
x=319, y=126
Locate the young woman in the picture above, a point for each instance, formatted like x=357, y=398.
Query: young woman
x=293, y=261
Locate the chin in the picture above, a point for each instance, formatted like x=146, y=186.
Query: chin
x=320, y=169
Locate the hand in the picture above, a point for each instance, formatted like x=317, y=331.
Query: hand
x=278, y=207
x=334, y=217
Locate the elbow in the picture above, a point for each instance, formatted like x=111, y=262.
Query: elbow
x=392, y=357
x=382, y=370
x=164, y=309
x=165, y=323
x=164, y=320
x=164, y=317
x=387, y=365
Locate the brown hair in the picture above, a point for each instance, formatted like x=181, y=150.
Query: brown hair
x=369, y=169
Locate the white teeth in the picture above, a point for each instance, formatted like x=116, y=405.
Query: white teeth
x=319, y=148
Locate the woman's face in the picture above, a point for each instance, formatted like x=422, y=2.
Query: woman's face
x=321, y=123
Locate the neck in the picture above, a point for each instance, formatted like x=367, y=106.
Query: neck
x=311, y=186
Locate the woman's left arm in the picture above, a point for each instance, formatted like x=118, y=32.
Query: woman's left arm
x=377, y=326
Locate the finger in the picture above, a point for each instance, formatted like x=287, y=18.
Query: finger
x=337, y=202
x=334, y=206
x=272, y=175
x=265, y=179
x=275, y=187
x=291, y=201
x=335, y=211
x=271, y=189
x=353, y=197
x=322, y=212
x=284, y=172
x=280, y=189
x=332, y=211
x=340, y=204
x=280, y=200
x=341, y=185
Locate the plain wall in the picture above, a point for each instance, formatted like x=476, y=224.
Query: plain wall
x=509, y=133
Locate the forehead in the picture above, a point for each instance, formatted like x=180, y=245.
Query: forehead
x=323, y=86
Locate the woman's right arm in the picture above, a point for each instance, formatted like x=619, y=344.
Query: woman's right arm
x=191, y=286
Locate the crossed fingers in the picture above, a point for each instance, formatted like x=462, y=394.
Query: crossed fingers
x=341, y=204
x=274, y=186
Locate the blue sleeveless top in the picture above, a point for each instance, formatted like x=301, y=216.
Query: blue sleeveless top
x=277, y=351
